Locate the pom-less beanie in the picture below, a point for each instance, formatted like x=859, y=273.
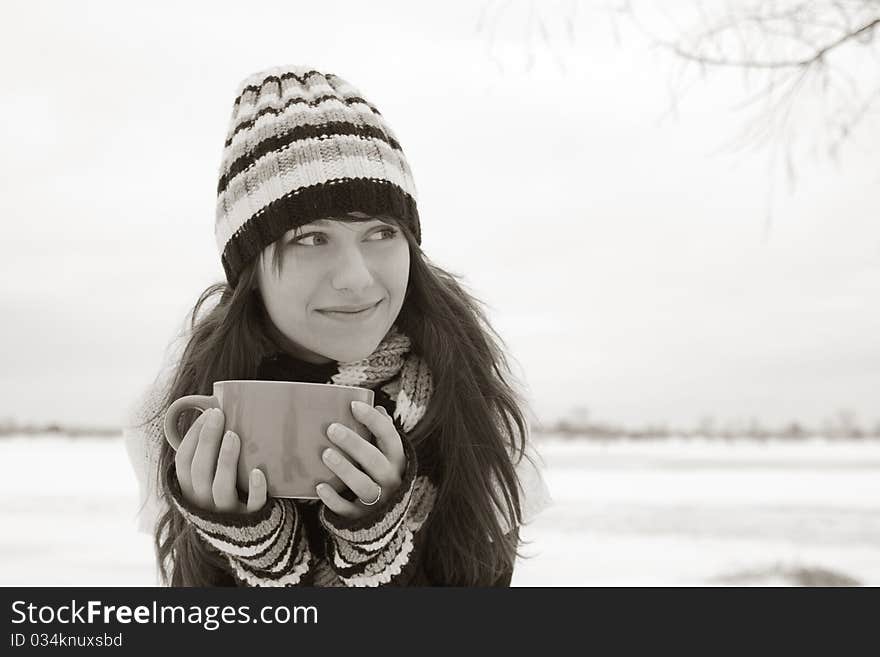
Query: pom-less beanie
x=304, y=145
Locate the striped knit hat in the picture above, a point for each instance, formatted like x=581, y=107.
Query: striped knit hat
x=304, y=145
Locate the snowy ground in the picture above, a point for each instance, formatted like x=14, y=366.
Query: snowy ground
x=636, y=513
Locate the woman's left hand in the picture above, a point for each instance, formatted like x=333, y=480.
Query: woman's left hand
x=363, y=467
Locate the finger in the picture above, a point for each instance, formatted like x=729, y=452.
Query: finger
x=223, y=489
x=335, y=502
x=382, y=426
x=256, y=490
x=362, y=485
x=184, y=456
x=365, y=454
x=205, y=459
x=386, y=414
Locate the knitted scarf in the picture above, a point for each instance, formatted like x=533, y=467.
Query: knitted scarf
x=411, y=390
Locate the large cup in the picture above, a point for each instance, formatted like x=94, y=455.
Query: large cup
x=282, y=426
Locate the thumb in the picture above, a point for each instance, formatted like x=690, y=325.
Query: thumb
x=256, y=491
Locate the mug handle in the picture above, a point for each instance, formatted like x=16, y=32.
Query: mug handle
x=202, y=402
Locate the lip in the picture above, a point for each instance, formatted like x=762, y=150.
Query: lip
x=350, y=309
x=352, y=315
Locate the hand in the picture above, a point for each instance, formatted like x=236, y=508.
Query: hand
x=207, y=466
x=382, y=464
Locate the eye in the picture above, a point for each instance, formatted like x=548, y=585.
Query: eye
x=322, y=237
x=392, y=232
x=299, y=240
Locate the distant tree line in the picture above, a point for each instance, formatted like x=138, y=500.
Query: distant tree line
x=10, y=427
x=843, y=426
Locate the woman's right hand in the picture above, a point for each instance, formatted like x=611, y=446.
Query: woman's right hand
x=207, y=466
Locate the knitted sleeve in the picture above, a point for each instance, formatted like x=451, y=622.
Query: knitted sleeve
x=385, y=547
x=264, y=548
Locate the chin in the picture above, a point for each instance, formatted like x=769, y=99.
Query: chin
x=352, y=350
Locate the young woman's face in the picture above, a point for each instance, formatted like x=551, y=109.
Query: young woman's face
x=331, y=264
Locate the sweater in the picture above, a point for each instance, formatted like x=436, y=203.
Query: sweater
x=293, y=542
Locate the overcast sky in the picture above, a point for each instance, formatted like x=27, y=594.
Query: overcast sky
x=623, y=258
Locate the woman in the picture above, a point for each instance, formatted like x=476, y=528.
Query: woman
x=319, y=236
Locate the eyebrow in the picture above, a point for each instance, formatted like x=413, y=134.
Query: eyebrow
x=325, y=222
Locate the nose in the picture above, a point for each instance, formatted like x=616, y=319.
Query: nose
x=351, y=271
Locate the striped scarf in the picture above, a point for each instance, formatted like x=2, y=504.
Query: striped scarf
x=411, y=390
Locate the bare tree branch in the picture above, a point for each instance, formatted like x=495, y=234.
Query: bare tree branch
x=803, y=62
x=814, y=58
x=808, y=59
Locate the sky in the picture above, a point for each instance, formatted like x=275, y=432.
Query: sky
x=624, y=254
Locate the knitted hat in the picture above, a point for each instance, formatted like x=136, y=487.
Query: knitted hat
x=304, y=145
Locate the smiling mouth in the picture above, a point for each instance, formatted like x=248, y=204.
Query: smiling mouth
x=350, y=313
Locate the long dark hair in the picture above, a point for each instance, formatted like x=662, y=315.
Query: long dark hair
x=473, y=428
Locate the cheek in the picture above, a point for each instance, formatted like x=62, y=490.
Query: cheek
x=397, y=273
x=284, y=301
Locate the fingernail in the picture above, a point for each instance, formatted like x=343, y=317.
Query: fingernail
x=358, y=405
x=229, y=435
x=331, y=456
x=320, y=488
x=333, y=430
x=216, y=417
x=255, y=476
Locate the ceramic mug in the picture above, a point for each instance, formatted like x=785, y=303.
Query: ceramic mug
x=282, y=428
